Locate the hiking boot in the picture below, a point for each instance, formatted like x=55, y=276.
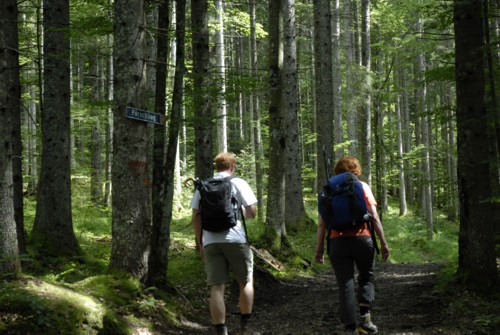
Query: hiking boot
x=222, y=330
x=350, y=329
x=366, y=325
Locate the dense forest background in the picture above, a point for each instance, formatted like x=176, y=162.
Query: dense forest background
x=125, y=100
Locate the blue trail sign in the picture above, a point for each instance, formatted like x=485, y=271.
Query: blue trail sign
x=146, y=116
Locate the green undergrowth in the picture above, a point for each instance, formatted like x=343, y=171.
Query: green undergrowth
x=81, y=296
x=408, y=239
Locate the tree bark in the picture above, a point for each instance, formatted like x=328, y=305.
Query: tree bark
x=10, y=94
x=426, y=180
x=476, y=258
x=11, y=43
x=53, y=226
x=221, y=73
x=324, y=88
x=157, y=269
x=202, y=106
x=366, y=124
x=275, y=222
x=131, y=192
x=255, y=109
x=294, y=211
x=95, y=139
x=350, y=107
x=337, y=82
x=402, y=186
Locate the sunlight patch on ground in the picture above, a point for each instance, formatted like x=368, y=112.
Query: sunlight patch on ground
x=412, y=274
x=94, y=311
x=142, y=331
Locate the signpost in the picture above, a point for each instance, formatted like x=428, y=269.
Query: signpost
x=146, y=116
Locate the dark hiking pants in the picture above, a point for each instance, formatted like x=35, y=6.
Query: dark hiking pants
x=345, y=253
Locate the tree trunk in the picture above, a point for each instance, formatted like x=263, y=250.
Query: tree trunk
x=337, y=82
x=366, y=125
x=173, y=132
x=350, y=106
x=131, y=217
x=108, y=130
x=11, y=53
x=452, y=195
x=426, y=179
x=476, y=259
x=10, y=94
x=53, y=226
x=202, y=106
x=259, y=150
x=275, y=214
x=157, y=269
x=294, y=211
x=324, y=89
x=402, y=186
x=493, y=115
x=95, y=139
x=31, y=144
x=221, y=98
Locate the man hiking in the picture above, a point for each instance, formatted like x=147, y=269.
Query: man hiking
x=223, y=241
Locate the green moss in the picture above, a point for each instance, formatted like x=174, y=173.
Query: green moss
x=33, y=306
x=113, y=325
x=116, y=291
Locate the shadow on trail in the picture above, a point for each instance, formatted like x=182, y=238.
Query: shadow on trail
x=405, y=304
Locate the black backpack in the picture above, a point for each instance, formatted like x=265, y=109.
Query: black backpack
x=342, y=204
x=219, y=207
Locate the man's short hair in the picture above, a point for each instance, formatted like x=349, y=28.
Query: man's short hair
x=224, y=161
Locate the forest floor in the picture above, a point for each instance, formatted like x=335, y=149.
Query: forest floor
x=406, y=303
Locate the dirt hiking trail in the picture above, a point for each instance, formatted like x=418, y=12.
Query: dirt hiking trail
x=405, y=304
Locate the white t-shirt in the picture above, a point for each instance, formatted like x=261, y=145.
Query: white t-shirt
x=245, y=197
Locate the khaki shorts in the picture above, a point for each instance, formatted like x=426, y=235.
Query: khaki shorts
x=221, y=258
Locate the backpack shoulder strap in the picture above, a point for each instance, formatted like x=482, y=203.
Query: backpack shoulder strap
x=240, y=212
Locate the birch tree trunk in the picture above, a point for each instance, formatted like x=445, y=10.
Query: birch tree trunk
x=405, y=117
x=53, y=226
x=294, y=206
x=10, y=94
x=324, y=88
x=202, y=106
x=451, y=160
x=426, y=194
x=95, y=139
x=221, y=72
x=255, y=111
x=366, y=125
x=349, y=100
x=402, y=186
x=109, y=128
x=131, y=214
x=275, y=214
x=476, y=256
x=32, y=144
